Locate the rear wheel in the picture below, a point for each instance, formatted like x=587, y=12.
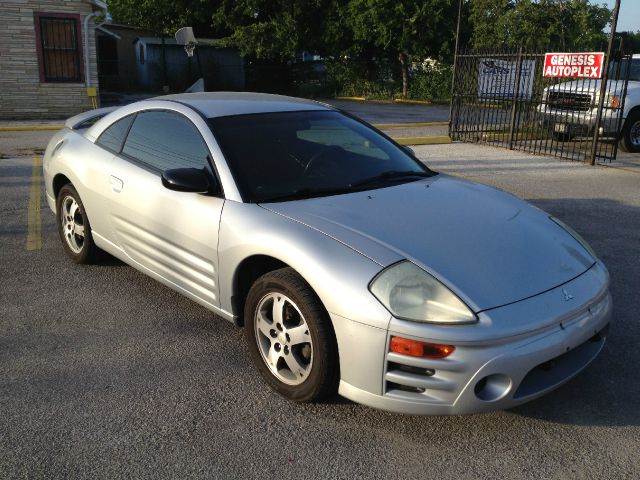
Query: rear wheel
x=290, y=337
x=73, y=226
x=630, y=135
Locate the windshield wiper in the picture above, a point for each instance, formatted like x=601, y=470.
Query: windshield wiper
x=302, y=193
x=391, y=175
x=306, y=193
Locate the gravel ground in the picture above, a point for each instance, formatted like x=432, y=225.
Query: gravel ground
x=106, y=373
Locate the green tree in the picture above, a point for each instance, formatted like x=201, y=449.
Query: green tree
x=273, y=29
x=165, y=17
x=535, y=25
x=404, y=29
x=630, y=41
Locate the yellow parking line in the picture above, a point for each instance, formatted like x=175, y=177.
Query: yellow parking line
x=358, y=99
x=34, y=221
x=415, y=102
x=31, y=128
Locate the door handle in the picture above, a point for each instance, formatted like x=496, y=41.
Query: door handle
x=116, y=184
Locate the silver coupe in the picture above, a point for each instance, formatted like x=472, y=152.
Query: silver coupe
x=352, y=267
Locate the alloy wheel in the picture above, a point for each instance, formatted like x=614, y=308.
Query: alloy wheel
x=72, y=224
x=283, y=338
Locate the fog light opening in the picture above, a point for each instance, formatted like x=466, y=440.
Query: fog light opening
x=492, y=387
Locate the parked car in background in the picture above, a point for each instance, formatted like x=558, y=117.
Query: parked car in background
x=570, y=108
x=352, y=266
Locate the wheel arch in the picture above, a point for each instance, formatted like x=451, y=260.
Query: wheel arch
x=245, y=275
x=633, y=111
x=59, y=181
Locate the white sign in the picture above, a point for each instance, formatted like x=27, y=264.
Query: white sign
x=497, y=78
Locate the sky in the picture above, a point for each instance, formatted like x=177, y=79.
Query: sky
x=629, y=18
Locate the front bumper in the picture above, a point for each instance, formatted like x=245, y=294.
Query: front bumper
x=490, y=374
x=581, y=121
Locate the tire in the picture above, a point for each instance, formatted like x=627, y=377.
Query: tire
x=630, y=134
x=561, y=137
x=74, y=227
x=302, y=365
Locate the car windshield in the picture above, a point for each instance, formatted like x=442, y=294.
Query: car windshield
x=291, y=155
x=618, y=70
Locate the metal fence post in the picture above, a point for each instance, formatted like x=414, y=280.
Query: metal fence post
x=603, y=84
x=453, y=70
x=514, y=101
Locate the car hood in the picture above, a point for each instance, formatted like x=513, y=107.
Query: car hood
x=614, y=87
x=488, y=246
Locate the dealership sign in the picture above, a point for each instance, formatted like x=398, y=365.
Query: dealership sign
x=573, y=65
x=497, y=78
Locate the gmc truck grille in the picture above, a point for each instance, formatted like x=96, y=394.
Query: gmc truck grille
x=569, y=101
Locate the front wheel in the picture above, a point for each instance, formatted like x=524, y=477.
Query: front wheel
x=562, y=136
x=630, y=135
x=290, y=337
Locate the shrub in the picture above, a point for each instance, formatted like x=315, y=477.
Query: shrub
x=430, y=80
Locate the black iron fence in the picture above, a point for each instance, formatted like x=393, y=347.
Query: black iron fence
x=504, y=99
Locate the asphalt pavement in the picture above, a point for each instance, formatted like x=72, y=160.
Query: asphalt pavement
x=387, y=112
x=105, y=373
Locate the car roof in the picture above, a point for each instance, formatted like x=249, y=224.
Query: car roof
x=221, y=104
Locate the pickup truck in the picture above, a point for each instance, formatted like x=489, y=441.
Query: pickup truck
x=570, y=108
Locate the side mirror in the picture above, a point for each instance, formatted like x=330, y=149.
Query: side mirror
x=192, y=180
x=409, y=150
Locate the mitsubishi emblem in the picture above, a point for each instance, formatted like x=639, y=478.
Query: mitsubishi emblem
x=567, y=296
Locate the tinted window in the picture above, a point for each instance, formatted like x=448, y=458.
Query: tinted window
x=112, y=137
x=286, y=155
x=618, y=71
x=165, y=140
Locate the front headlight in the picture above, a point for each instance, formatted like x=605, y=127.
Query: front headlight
x=410, y=293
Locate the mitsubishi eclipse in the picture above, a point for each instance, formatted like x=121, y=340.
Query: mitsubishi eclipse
x=352, y=267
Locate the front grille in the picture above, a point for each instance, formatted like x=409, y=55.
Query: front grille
x=558, y=369
x=569, y=101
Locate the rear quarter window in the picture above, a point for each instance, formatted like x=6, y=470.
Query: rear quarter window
x=113, y=137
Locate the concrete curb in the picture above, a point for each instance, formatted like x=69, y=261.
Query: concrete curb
x=393, y=100
x=410, y=125
x=436, y=140
x=412, y=102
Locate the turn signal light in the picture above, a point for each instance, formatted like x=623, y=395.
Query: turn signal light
x=614, y=102
x=413, y=348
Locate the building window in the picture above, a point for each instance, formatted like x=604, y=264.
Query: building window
x=59, y=46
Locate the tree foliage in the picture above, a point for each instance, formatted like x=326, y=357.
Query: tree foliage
x=375, y=41
x=630, y=41
x=536, y=25
x=165, y=17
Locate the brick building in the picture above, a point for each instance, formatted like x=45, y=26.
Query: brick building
x=43, y=57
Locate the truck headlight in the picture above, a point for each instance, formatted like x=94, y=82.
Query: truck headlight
x=410, y=293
